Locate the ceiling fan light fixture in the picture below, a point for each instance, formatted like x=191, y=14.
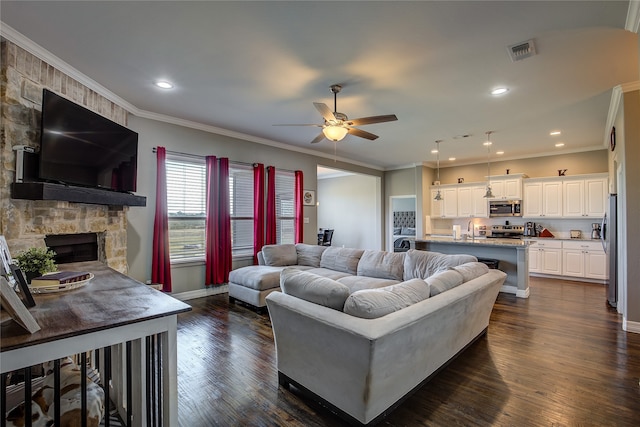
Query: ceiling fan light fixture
x=335, y=133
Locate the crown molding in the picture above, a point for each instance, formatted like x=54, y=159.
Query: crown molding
x=630, y=86
x=633, y=16
x=35, y=49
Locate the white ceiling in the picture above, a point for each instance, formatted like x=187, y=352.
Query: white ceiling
x=244, y=66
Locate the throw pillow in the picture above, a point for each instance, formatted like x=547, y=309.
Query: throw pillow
x=381, y=264
x=313, y=288
x=444, y=281
x=280, y=255
x=309, y=254
x=373, y=303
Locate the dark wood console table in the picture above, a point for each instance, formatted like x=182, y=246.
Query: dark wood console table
x=109, y=311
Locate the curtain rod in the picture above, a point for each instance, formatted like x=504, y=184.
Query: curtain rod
x=198, y=156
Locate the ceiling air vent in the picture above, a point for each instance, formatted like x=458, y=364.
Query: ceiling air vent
x=520, y=51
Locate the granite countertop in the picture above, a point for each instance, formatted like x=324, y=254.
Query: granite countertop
x=482, y=241
x=582, y=239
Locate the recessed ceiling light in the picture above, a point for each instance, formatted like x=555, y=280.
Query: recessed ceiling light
x=560, y=144
x=434, y=151
x=555, y=133
x=499, y=153
x=452, y=159
x=499, y=91
x=163, y=84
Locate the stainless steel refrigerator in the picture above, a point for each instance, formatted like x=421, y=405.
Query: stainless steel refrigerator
x=609, y=236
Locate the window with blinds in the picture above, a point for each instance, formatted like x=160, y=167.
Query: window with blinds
x=241, y=201
x=186, y=203
x=285, y=207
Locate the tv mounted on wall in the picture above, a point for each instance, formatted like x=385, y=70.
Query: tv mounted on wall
x=80, y=147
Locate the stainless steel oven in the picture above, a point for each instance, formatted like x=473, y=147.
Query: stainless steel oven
x=505, y=208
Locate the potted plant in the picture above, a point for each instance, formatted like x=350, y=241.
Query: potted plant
x=35, y=262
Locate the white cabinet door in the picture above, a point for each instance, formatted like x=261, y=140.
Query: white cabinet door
x=513, y=189
x=480, y=203
x=534, y=260
x=551, y=261
x=497, y=188
x=465, y=202
x=436, y=205
x=450, y=202
x=573, y=262
x=595, y=265
x=552, y=199
x=532, y=199
x=573, y=198
x=595, y=203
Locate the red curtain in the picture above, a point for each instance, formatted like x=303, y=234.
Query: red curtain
x=298, y=207
x=271, y=238
x=258, y=209
x=161, y=262
x=218, y=222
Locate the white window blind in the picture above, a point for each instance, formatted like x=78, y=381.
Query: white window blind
x=285, y=207
x=186, y=202
x=241, y=201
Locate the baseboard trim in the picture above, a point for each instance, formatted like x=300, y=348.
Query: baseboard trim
x=201, y=293
x=520, y=293
x=628, y=326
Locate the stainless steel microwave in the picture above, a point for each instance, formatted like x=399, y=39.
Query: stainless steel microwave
x=505, y=208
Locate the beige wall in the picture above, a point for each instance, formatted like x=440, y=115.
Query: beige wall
x=535, y=167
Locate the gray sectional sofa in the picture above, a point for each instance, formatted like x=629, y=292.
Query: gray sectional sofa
x=355, y=268
x=360, y=330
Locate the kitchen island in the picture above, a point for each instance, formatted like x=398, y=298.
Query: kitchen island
x=513, y=255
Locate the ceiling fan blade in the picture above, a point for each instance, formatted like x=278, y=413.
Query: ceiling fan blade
x=325, y=111
x=318, y=138
x=302, y=124
x=362, y=134
x=372, y=120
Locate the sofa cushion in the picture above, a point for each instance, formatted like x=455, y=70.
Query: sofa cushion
x=341, y=259
x=373, y=303
x=471, y=270
x=309, y=254
x=443, y=281
x=422, y=264
x=313, y=288
x=380, y=264
x=258, y=277
x=327, y=272
x=280, y=255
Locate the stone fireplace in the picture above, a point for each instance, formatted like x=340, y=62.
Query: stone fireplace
x=32, y=223
x=76, y=247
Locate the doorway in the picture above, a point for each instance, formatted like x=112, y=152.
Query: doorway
x=402, y=220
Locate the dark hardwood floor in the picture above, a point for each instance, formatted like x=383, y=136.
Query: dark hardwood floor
x=558, y=358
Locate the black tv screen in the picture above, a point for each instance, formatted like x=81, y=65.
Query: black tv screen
x=80, y=147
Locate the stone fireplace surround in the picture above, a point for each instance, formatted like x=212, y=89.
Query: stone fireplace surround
x=26, y=223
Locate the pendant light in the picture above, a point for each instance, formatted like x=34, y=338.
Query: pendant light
x=438, y=194
x=489, y=193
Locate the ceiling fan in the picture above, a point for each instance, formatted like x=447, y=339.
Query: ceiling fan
x=337, y=125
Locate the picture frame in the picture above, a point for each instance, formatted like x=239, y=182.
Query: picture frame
x=308, y=198
x=15, y=308
x=25, y=293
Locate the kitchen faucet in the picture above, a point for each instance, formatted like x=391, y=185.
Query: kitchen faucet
x=472, y=226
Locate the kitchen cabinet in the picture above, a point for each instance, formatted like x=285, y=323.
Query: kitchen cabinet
x=506, y=188
x=471, y=202
x=545, y=257
x=584, y=198
x=542, y=199
x=584, y=259
x=448, y=206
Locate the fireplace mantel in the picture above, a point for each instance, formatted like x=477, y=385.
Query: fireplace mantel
x=68, y=193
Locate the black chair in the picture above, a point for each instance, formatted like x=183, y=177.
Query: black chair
x=327, y=235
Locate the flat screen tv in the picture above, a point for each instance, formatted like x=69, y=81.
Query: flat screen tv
x=80, y=147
